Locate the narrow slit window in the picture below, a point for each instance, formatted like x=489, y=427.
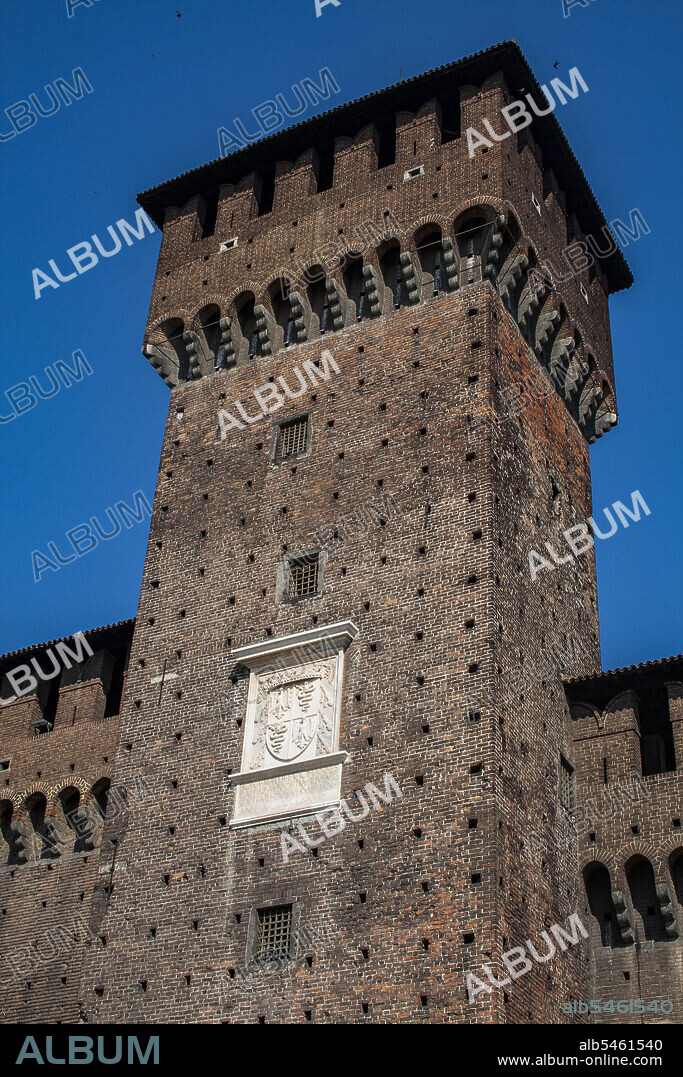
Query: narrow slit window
x=274, y=933
x=566, y=784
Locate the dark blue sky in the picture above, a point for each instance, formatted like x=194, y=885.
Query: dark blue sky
x=162, y=86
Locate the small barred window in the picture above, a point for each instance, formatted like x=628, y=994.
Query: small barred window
x=293, y=438
x=303, y=577
x=274, y=931
x=566, y=784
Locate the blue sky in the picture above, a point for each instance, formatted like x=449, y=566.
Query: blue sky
x=161, y=87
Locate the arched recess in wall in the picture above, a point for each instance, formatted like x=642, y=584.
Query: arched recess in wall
x=45, y=844
x=69, y=821
x=316, y=295
x=167, y=347
x=429, y=245
x=100, y=795
x=649, y=922
x=354, y=284
x=517, y=284
x=596, y=879
x=472, y=235
x=283, y=311
x=208, y=335
x=320, y=301
x=392, y=272
x=9, y=853
x=246, y=321
x=676, y=870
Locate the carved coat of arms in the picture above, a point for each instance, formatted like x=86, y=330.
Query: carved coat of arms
x=293, y=716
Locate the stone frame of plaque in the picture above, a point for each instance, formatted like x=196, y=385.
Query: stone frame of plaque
x=291, y=759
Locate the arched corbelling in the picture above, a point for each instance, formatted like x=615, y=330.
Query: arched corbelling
x=67, y=783
x=400, y=274
x=369, y=133
x=598, y=887
x=165, y=348
x=388, y=243
x=67, y=816
x=30, y=791
x=426, y=227
x=435, y=259
x=604, y=857
x=531, y=298
x=234, y=298
x=92, y=810
x=204, y=340
x=430, y=106
x=650, y=922
x=354, y=288
x=252, y=326
x=290, y=311
x=392, y=272
x=44, y=840
x=404, y=117
x=476, y=244
x=623, y=701
x=11, y=848
x=342, y=142
x=100, y=790
x=606, y=408
x=324, y=301
x=442, y=221
x=474, y=209
x=581, y=711
x=631, y=851
x=506, y=261
x=213, y=299
x=495, y=81
x=364, y=289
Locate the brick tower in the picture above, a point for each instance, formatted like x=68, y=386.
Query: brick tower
x=380, y=403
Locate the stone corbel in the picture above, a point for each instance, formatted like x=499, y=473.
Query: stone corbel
x=625, y=926
x=226, y=356
x=297, y=305
x=263, y=328
x=450, y=263
x=546, y=331
x=530, y=301
x=560, y=358
x=374, y=290
x=513, y=277
x=191, y=347
x=335, y=299
x=666, y=905
x=492, y=267
x=411, y=278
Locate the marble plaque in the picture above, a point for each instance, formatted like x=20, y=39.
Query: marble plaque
x=291, y=762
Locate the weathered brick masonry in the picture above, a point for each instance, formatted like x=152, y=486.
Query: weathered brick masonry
x=436, y=456
x=54, y=777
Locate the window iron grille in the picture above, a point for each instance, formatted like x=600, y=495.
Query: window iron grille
x=303, y=578
x=274, y=931
x=293, y=437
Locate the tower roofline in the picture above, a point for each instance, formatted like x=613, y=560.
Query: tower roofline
x=380, y=107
